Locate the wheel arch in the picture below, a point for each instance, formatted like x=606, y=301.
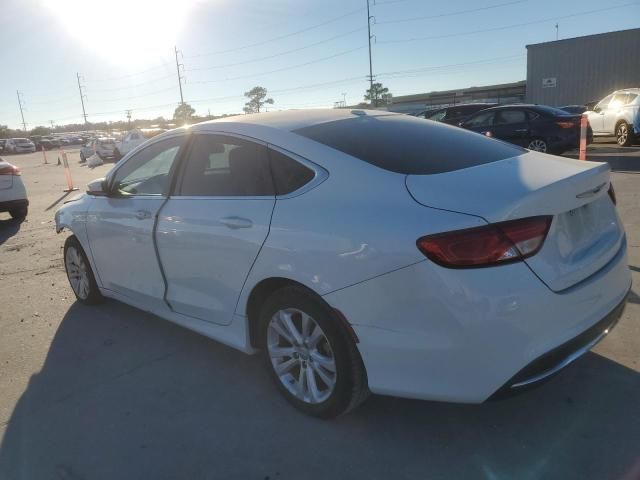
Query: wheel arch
x=265, y=288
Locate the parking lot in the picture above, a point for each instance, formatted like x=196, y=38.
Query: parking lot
x=111, y=392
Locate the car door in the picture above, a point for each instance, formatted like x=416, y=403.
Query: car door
x=596, y=117
x=612, y=112
x=120, y=226
x=212, y=227
x=511, y=125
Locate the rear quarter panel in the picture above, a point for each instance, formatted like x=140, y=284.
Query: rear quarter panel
x=359, y=223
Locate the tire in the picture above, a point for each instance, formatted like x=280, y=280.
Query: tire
x=82, y=158
x=116, y=155
x=623, y=135
x=538, y=145
x=79, y=273
x=19, y=213
x=329, y=348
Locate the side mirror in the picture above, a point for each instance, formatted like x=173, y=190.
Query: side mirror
x=596, y=109
x=98, y=188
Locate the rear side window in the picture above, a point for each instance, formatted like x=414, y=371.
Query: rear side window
x=631, y=97
x=222, y=166
x=483, y=119
x=288, y=174
x=507, y=117
x=404, y=144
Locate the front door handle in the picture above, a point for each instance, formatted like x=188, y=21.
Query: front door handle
x=143, y=214
x=522, y=130
x=236, y=222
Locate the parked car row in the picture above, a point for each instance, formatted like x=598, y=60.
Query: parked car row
x=548, y=129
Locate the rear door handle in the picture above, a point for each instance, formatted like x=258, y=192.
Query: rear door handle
x=522, y=130
x=143, y=214
x=236, y=222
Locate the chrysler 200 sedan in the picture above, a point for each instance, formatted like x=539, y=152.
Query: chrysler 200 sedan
x=360, y=252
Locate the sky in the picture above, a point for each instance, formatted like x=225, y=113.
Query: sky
x=306, y=53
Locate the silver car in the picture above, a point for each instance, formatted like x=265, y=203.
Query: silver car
x=617, y=114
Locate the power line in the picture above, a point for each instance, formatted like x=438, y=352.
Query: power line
x=254, y=75
x=155, y=80
x=464, y=64
x=505, y=27
x=280, y=37
x=451, y=14
x=253, y=60
x=135, y=74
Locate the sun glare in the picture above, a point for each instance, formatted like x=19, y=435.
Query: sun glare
x=124, y=32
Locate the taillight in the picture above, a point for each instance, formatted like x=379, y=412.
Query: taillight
x=566, y=124
x=9, y=170
x=612, y=194
x=494, y=244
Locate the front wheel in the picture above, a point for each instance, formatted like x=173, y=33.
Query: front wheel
x=312, y=359
x=538, y=145
x=79, y=273
x=623, y=136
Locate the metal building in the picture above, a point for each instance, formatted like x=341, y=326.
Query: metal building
x=583, y=69
x=502, y=93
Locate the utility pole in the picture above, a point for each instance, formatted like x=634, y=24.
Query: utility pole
x=128, y=113
x=369, y=17
x=24, y=124
x=557, y=28
x=180, y=78
x=84, y=113
x=52, y=124
x=178, y=65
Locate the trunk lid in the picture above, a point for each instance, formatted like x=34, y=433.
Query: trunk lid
x=586, y=232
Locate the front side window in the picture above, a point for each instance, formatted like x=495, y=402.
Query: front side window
x=631, y=97
x=147, y=172
x=603, y=104
x=223, y=166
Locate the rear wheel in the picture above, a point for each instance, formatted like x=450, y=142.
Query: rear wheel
x=623, y=136
x=79, y=273
x=313, y=361
x=19, y=213
x=82, y=158
x=538, y=145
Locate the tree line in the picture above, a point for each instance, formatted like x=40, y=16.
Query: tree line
x=257, y=99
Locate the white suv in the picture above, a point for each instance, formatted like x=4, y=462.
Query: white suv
x=617, y=114
x=13, y=195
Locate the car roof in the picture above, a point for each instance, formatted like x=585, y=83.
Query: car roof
x=628, y=90
x=290, y=120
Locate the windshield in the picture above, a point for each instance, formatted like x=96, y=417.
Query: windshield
x=21, y=141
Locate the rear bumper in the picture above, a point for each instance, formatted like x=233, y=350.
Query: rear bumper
x=461, y=335
x=13, y=204
x=552, y=362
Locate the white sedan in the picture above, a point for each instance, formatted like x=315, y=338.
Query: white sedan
x=360, y=252
x=13, y=195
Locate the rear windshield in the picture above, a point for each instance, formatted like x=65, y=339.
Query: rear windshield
x=21, y=140
x=409, y=145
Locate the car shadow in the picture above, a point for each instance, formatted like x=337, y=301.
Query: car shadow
x=8, y=228
x=123, y=394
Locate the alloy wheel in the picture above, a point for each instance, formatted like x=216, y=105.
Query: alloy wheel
x=622, y=134
x=301, y=355
x=77, y=272
x=537, y=145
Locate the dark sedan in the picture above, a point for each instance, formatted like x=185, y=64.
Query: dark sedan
x=536, y=127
